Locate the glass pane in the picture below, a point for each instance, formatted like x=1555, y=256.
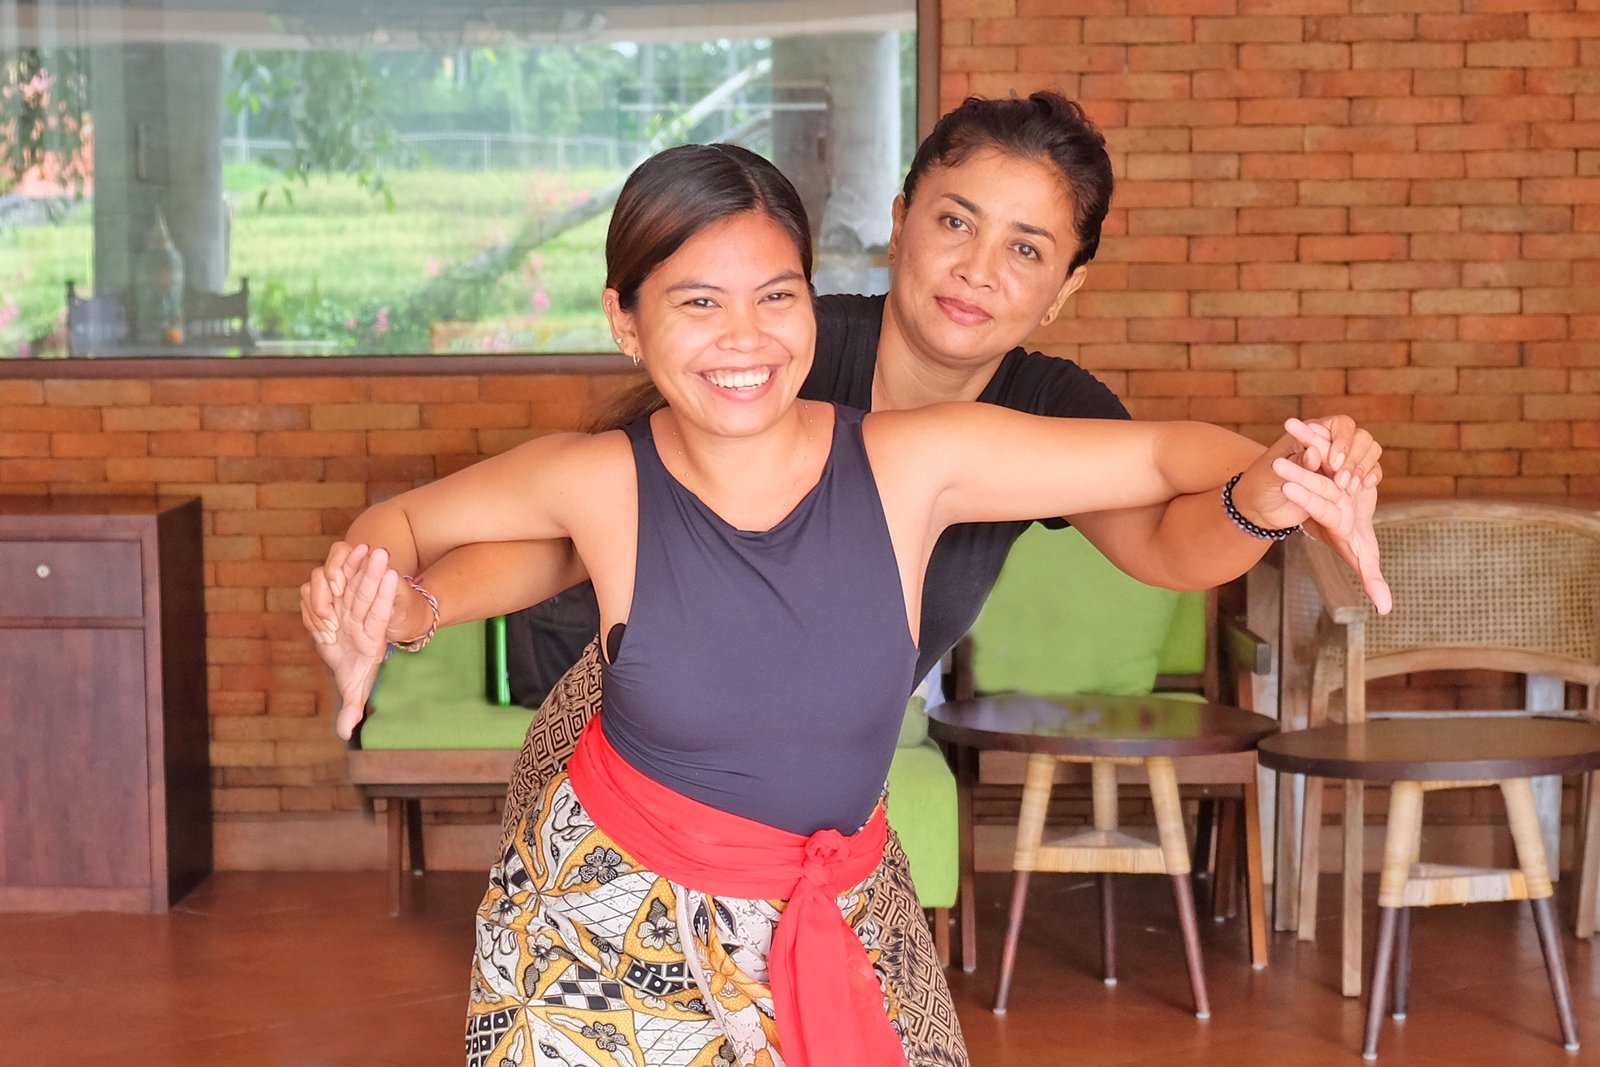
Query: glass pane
x=320, y=177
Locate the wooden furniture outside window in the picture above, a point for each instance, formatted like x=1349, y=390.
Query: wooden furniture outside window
x=105, y=784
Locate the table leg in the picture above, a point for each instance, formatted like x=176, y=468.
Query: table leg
x=966, y=777
x=1253, y=877
x=1355, y=811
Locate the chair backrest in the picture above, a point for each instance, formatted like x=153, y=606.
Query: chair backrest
x=94, y=322
x=1063, y=619
x=219, y=318
x=1485, y=584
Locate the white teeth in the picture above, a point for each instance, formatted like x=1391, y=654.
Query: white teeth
x=739, y=379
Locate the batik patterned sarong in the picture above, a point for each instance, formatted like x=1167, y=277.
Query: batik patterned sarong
x=584, y=957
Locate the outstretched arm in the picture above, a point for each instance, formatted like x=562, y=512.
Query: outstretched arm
x=981, y=463
x=1189, y=543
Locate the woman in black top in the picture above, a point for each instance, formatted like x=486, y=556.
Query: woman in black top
x=972, y=277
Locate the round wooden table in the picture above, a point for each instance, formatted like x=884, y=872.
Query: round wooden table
x=1418, y=756
x=1102, y=731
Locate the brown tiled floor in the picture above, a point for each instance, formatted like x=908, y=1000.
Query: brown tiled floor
x=306, y=970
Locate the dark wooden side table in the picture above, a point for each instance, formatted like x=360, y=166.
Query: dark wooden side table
x=1102, y=731
x=1421, y=756
x=105, y=779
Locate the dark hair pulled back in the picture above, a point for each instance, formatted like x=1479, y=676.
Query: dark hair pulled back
x=1045, y=127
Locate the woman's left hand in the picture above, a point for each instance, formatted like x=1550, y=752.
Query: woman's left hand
x=1293, y=483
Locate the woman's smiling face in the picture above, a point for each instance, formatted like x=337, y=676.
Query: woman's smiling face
x=981, y=256
x=725, y=325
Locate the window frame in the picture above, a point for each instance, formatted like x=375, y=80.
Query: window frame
x=424, y=364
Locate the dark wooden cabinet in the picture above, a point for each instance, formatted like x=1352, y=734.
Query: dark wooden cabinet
x=105, y=781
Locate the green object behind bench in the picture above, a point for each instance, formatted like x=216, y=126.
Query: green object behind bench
x=436, y=698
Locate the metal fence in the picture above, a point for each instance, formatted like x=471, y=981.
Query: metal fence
x=474, y=151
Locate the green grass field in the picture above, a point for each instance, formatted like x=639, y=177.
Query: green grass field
x=336, y=270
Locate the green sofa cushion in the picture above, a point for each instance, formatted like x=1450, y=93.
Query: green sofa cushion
x=437, y=698
x=922, y=810
x=1063, y=619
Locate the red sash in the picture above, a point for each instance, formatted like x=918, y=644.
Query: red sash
x=825, y=994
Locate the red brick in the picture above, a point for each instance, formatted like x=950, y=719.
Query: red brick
x=960, y=31
x=1294, y=328
x=1404, y=55
x=1464, y=354
x=1405, y=275
x=422, y=442
x=202, y=443
x=21, y=392
x=1481, y=464
x=1579, y=351
x=1183, y=276
x=1159, y=383
x=1480, y=135
x=1186, y=330
x=1179, y=7
x=1568, y=81
x=1413, y=381
x=1422, y=110
x=1433, y=407
x=1524, y=327
x=1355, y=303
x=1572, y=462
x=268, y=522
x=1523, y=53
x=1079, y=59
x=1516, y=434
x=1583, y=300
x=1513, y=109
x=1293, y=111
x=1180, y=165
x=1561, y=191
x=1466, y=301
x=1255, y=30
x=17, y=445
x=1484, y=27
x=1155, y=249
x=978, y=9
x=1354, y=84
x=1430, y=169
x=1513, y=380
x=82, y=445
x=1365, y=139
x=1135, y=195
x=1352, y=193
x=1232, y=411
x=52, y=470
x=1147, y=140
x=1353, y=28
x=1193, y=60
x=312, y=443
x=1468, y=191
x=302, y=495
x=1244, y=193
x=151, y=418
x=1025, y=31
x=1303, y=220
x=1545, y=273
x=1321, y=166
x=411, y=470
x=1516, y=219
x=1464, y=246
x=1353, y=249
x=121, y=469
x=1354, y=354
x=365, y=417
x=1149, y=29
x=1238, y=84
x=1273, y=248
x=255, y=417
x=1471, y=82
x=1140, y=305
x=1243, y=357
x=1309, y=55
x=1402, y=328
x=1294, y=276
x=1138, y=356
x=1191, y=113
x=1245, y=305
x=344, y=389
x=989, y=58
x=1577, y=408
x=1405, y=219
x=1300, y=382
x=1181, y=221
x=1543, y=163
x=83, y=392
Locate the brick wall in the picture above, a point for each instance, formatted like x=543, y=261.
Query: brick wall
x=1385, y=208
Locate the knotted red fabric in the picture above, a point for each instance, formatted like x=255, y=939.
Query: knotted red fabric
x=825, y=995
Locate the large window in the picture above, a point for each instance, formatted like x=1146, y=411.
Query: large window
x=321, y=177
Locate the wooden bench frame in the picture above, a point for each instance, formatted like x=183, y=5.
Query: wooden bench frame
x=404, y=777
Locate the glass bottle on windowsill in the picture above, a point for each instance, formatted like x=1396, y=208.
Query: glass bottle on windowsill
x=158, y=287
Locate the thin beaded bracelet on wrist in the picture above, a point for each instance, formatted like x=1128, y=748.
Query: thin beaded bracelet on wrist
x=419, y=643
x=1245, y=524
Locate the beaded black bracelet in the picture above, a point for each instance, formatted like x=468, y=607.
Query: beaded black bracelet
x=1245, y=524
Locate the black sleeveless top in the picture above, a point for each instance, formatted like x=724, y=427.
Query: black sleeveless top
x=765, y=673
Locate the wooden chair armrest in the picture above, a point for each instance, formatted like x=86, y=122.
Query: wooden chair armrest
x=1242, y=648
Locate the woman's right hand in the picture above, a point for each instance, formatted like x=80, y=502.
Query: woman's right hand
x=348, y=606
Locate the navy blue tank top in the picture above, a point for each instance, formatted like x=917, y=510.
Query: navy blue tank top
x=765, y=674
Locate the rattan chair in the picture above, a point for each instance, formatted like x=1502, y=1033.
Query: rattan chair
x=1479, y=585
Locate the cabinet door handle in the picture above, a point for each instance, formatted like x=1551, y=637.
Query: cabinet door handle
x=42, y=570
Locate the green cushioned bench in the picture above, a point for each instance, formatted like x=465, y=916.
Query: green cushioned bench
x=440, y=723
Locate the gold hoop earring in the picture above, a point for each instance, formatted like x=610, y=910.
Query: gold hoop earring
x=635, y=357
